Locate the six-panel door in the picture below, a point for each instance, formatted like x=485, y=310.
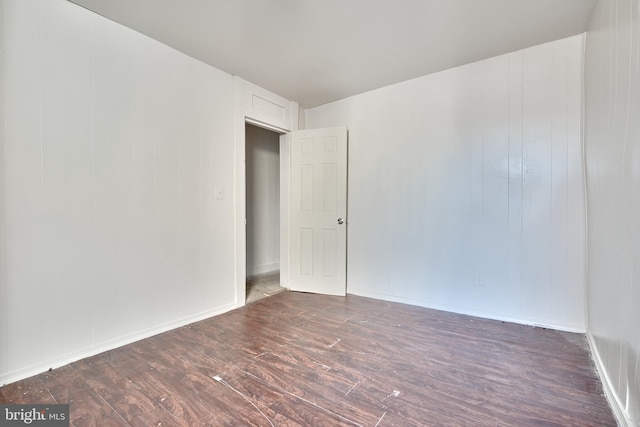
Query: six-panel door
x=319, y=211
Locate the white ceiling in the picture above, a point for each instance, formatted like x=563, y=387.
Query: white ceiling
x=317, y=51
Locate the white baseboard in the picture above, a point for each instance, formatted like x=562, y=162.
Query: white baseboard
x=618, y=408
x=476, y=313
x=262, y=268
x=38, y=368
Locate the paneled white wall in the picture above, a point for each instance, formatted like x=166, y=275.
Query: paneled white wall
x=113, y=146
x=3, y=240
x=263, y=200
x=612, y=141
x=466, y=188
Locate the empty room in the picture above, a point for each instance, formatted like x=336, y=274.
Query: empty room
x=320, y=213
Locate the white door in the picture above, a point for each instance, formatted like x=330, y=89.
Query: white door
x=318, y=245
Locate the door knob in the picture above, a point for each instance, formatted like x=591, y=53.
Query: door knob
x=340, y=221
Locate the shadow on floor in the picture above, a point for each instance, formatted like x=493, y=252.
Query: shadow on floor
x=263, y=285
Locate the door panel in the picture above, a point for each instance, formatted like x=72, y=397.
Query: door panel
x=318, y=211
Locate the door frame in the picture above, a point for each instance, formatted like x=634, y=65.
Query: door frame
x=261, y=108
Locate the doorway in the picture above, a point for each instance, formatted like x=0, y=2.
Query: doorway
x=262, y=189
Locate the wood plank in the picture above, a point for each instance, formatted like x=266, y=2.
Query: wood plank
x=29, y=390
x=121, y=393
x=302, y=359
x=86, y=407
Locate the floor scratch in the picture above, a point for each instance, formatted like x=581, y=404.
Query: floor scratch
x=301, y=398
x=337, y=341
x=395, y=393
x=323, y=366
x=378, y=423
x=223, y=382
x=352, y=387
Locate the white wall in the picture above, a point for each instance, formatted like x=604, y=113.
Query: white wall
x=113, y=145
x=263, y=200
x=466, y=188
x=3, y=240
x=612, y=141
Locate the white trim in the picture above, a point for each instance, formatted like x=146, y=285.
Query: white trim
x=285, y=197
x=617, y=407
x=57, y=362
x=239, y=192
x=284, y=121
x=269, y=108
x=470, y=312
x=264, y=125
x=585, y=190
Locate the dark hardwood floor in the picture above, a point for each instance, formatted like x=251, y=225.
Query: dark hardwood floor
x=300, y=359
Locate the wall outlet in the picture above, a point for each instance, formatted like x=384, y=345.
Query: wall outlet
x=478, y=280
